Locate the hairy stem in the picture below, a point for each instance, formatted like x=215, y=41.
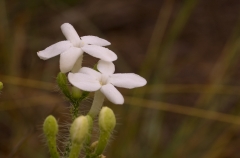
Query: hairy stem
x=52, y=147
x=102, y=143
x=88, y=139
x=75, y=150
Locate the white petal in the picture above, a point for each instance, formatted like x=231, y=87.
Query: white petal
x=106, y=67
x=127, y=80
x=112, y=94
x=84, y=82
x=95, y=40
x=54, y=50
x=69, y=58
x=91, y=72
x=100, y=52
x=70, y=34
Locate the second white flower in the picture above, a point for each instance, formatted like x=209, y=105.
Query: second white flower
x=88, y=79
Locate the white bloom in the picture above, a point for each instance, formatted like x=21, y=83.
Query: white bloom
x=72, y=49
x=88, y=79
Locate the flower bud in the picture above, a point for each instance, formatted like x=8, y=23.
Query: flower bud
x=61, y=78
x=63, y=84
x=94, y=145
x=90, y=120
x=107, y=120
x=50, y=126
x=1, y=85
x=79, y=129
x=76, y=92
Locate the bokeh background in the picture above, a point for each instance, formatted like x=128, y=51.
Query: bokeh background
x=188, y=50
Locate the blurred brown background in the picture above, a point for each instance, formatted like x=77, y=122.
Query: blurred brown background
x=188, y=50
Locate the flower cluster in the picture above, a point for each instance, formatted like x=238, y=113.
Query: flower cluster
x=87, y=79
x=102, y=80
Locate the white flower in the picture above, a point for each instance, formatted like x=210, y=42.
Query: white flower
x=88, y=79
x=72, y=49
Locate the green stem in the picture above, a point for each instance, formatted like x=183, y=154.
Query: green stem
x=52, y=147
x=75, y=150
x=75, y=110
x=67, y=148
x=74, y=113
x=102, y=143
x=75, y=101
x=75, y=98
x=88, y=139
x=97, y=104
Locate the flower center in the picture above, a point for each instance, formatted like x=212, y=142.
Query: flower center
x=104, y=79
x=80, y=44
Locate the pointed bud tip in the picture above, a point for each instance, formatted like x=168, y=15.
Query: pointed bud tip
x=62, y=79
x=50, y=126
x=79, y=129
x=94, y=145
x=107, y=119
x=76, y=92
